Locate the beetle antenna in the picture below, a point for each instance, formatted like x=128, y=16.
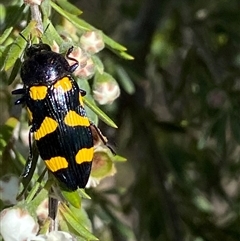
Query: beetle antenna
x=46, y=29
x=28, y=41
x=23, y=37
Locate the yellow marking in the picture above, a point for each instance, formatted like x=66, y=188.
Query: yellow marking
x=74, y=119
x=38, y=92
x=80, y=100
x=48, y=126
x=84, y=155
x=30, y=116
x=56, y=163
x=64, y=83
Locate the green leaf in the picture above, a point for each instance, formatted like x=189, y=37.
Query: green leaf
x=81, y=215
x=84, y=84
x=35, y=198
x=15, y=71
x=18, y=46
x=72, y=220
x=72, y=18
x=72, y=197
x=83, y=194
x=5, y=34
x=98, y=63
x=117, y=158
x=69, y=7
x=113, y=44
x=46, y=9
x=14, y=14
x=3, y=56
x=51, y=34
x=3, y=14
x=126, y=56
x=99, y=112
x=125, y=80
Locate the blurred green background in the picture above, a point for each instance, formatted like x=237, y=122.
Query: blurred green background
x=180, y=129
x=178, y=119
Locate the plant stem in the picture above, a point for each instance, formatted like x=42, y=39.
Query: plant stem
x=37, y=16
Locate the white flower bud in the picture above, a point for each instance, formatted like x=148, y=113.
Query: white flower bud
x=92, y=41
x=17, y=225
x=86, y=67
x=105, y=89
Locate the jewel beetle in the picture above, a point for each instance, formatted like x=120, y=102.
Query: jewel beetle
x=58, y=120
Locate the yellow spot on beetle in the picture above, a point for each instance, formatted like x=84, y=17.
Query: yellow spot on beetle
x=64, y=83
x=81, y=100
x=38, y=92
x=48, y=126
x=74, y=119
x=56, y=163
x=84, y=155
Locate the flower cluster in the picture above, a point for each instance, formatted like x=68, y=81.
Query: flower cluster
x=105, y=87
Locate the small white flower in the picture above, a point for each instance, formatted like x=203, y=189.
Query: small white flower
x=106, y=92
x=17, y=225
x=87, y=71
x=56, y=236
x=102, y=166
x=92, y=182
x=86, y=67
x=105, y=88
x=92, y=41
x=9, y=186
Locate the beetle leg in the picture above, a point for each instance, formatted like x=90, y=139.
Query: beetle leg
x=73, y=67
x=29, y=162
x=82, y=92
x=52, y=208
x=19, y=92
x=95, y=129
